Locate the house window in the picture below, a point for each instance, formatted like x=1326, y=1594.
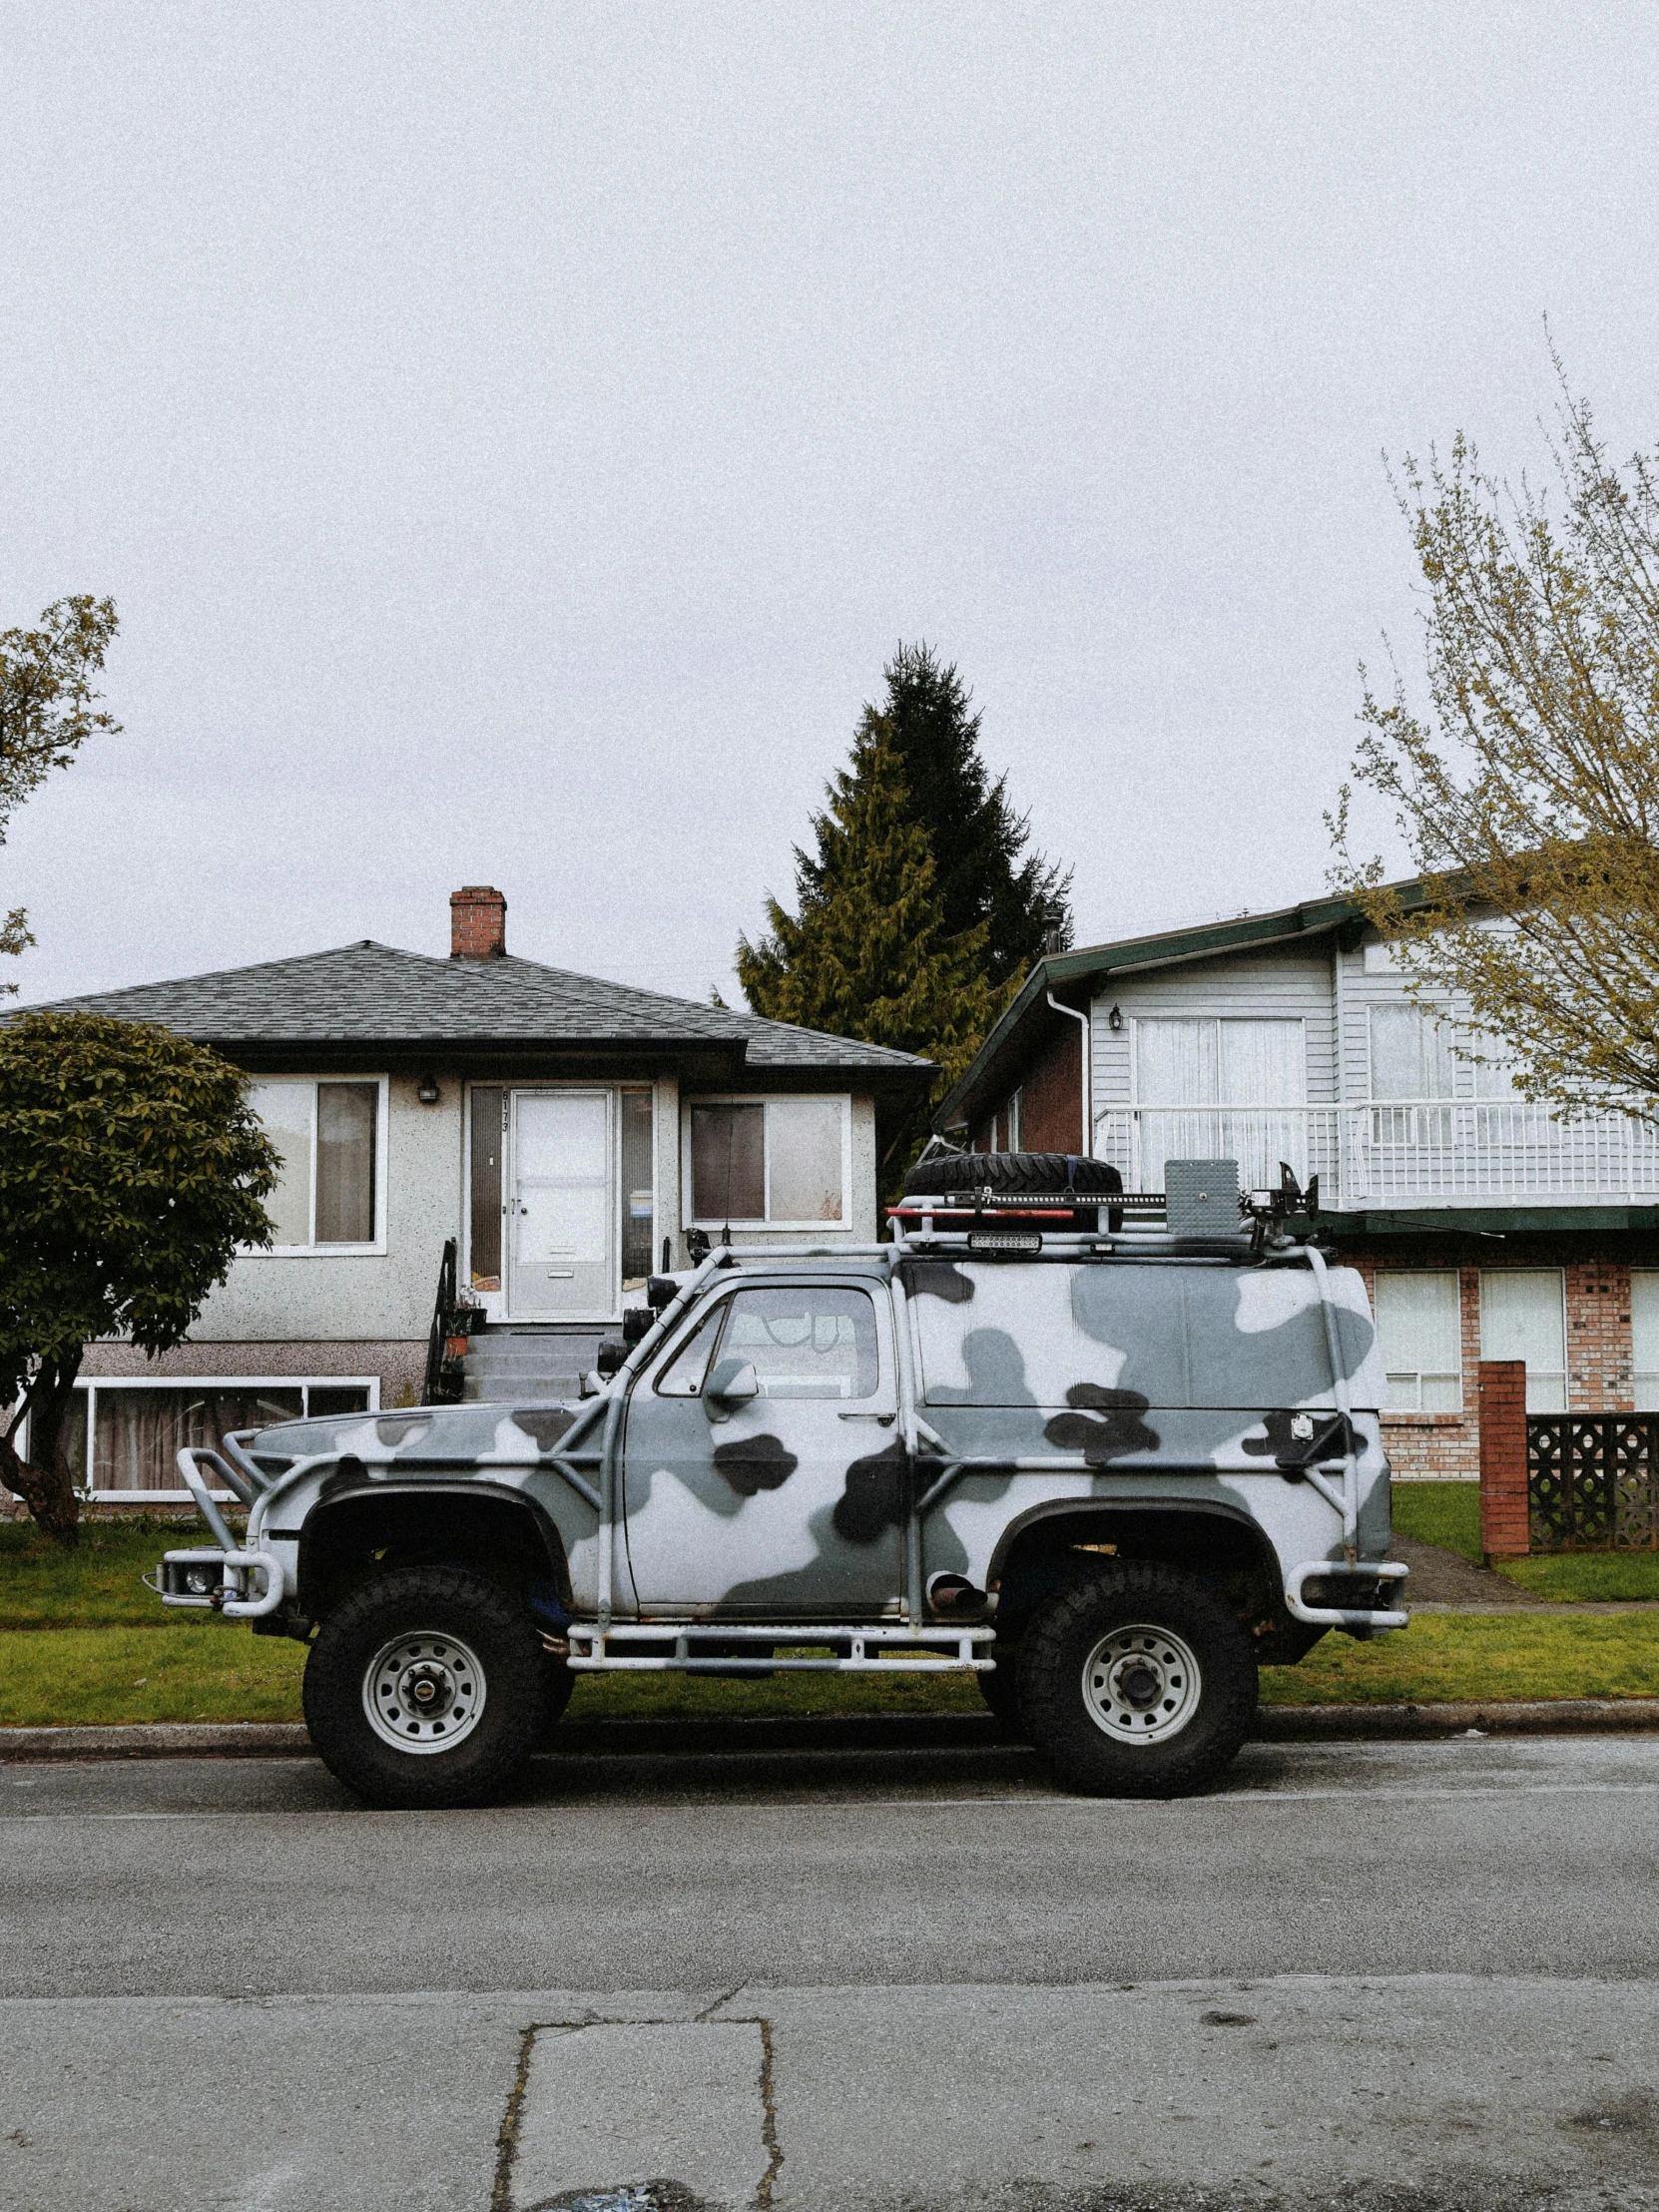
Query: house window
x=1420, y=1334
x=1523, y=1316
x=639, y=1189
x=1412, y=1061
x=1241, y=1087
x=1644, y=1334
x=329, y=1135
x=126, y=1436
x=779, y=1161
x=486, y=1135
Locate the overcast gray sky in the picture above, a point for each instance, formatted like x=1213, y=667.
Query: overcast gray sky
x=515, y=435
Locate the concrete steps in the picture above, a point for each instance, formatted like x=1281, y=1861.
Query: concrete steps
x=526, y=1365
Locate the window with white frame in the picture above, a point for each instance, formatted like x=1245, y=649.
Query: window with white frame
x=778, y=1162
x=1644, y=1339
x=1219, y=1087
x=1412, y=1062
x=1523, y=1316
x=330, y=1133
x=123, y=1436
x=1419, y=1335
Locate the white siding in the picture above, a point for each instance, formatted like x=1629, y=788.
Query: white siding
x=367, y=1298
x=1279, y=983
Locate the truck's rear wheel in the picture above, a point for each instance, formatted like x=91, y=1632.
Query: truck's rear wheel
x=426, y=1687
x=1136, y=1681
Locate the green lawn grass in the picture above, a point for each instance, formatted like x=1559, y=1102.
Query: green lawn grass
x=84, y=1642
x=44, y=1586
x=191, y=1668
x=1579, y=1577
x=1444, y=1513
x=1448, y=1513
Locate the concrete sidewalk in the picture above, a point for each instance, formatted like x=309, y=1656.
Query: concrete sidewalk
x=1290, y=2093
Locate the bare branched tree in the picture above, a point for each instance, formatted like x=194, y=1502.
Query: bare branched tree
x=47, y=708
x=1529, y=795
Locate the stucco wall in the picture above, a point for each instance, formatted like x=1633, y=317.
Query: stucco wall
x=861, y=1222
x=364, y=1297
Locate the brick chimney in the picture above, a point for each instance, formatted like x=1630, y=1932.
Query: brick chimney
x=477, y=923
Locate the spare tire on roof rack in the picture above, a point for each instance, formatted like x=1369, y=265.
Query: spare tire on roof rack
x=1013, y=1174
x=963, y=1178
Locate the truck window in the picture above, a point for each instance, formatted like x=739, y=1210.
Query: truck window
x=807, y=1342
x=683, y=1377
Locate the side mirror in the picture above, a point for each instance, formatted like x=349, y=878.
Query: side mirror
x=733, y=1382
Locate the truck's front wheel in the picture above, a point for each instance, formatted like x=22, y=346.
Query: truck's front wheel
x=1136, y=1681
x=426, y=1687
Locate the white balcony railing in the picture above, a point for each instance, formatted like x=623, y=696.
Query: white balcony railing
x=1457, y=1152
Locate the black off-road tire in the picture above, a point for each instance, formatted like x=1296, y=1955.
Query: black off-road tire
x=560, y=1685
x=1014, y=1174
x=452, y=1611
x=1190, y=1645
x=1000, y=1688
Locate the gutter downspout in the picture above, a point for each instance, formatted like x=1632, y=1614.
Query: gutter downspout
x=1085, y=1143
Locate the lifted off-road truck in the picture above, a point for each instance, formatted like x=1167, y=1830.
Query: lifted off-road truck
x=1107, y=1450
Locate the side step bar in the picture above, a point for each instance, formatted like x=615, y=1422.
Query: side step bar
x=851, y=1650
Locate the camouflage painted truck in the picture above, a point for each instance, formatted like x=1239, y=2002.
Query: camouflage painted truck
x=1106, y=1461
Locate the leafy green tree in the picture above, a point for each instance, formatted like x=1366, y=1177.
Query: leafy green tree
x=1528, y=794
x=869, y=955
x=984, y=876
x=130, y=1169
x=46, y=710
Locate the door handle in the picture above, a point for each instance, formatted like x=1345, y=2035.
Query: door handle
x=885, y=1421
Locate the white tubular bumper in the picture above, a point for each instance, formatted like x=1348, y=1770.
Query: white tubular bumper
x=1344, y=1616
x=240, y=1597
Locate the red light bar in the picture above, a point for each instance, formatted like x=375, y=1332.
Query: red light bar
x=999, y=1213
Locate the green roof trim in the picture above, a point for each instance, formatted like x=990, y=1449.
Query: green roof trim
x=1313, y=918
x=1494, y=1221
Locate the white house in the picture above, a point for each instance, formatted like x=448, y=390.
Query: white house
x=568, y=1134
x=1487, y=1228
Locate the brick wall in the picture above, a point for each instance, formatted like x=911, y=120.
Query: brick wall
x=1599, y=1353
x=1501, y=1394
x=1051, y=1104
x=1051, y=1098
x=1446, y=1447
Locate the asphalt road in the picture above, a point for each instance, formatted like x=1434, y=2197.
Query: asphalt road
x=1419, y=1975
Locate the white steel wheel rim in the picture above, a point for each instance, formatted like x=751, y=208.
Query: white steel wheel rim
x=1141, y=1684
x=424, y=1691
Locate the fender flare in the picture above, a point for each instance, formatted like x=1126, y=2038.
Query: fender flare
x=1107, y=1508
x=493, y=1493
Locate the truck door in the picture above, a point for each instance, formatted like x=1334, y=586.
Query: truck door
x=765, y=1476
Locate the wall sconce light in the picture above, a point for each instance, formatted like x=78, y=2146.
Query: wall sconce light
x=1114, y=1020
x=428, y=1092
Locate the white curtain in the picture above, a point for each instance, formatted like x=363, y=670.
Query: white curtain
x=1410, y=1053
x=1522, y=1317
x=1260, y=1066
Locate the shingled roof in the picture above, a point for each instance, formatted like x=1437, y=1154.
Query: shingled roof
x=368, y=994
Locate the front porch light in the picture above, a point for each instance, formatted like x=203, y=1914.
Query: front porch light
x=428, y=1092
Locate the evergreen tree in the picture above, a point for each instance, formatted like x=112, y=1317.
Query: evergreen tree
x=870, y=953
x=977, y=839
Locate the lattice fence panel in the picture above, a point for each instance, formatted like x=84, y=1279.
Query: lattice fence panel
x=1592, y=1481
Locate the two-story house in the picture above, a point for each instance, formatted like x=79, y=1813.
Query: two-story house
x=568, y=1134
x=1485, y=1228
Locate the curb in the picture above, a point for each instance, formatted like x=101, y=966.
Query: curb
x=856, y=1732
x=1591, y=1715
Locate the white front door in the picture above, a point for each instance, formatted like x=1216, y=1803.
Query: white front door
x=563, y=1214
